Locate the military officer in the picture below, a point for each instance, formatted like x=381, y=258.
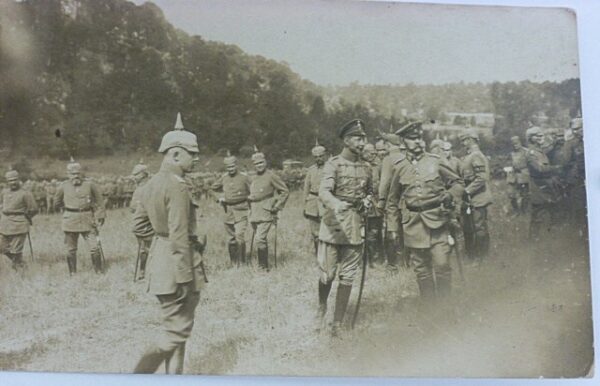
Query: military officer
x=143, y=235
x=236, y=189
x=18, y=208
x=574, y=172
x=83, y=214
x=344, y=189
x=425, y=189
x=268, y=195
x=382, y=149
x=477, y=197
x=174, y=269
x=543, y=185
x=518, y=177
x=313, y=208
x=393, y=238
x=374, y=216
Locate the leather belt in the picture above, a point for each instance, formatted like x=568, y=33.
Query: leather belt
x=423, y=208
x=261, y=198
x=77, y=210
x=231, y=203
x=9, y=213
x=314, y=193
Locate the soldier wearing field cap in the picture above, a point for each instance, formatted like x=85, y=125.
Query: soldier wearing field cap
x=477, y=197
x=394, y=244
x=574, y=173
x=142, y=234
x=174, y=271
x=544, y=190
x=83, y=213
x=453, y=162
x=435, y=147
x=268, y=195
x=517, y=177
x=18, y=208
x=426, y=190
x=313, y=208
x=236, y=189
x=344, y=189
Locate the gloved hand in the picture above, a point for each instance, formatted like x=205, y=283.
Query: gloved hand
x=447, y=200
x=221, y=200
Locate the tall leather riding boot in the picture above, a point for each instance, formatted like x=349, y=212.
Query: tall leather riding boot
x=174, y=365
x=324, y=290
x=443, y=284
x=391, y=250
x=150, y=361
x=242, y=249
x=233, y=253
x=143, y=259
x=426, y=289
x=341, y=303
x=72, y=263
x=263, y=258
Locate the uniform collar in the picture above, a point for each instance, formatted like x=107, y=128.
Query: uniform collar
x=411, y=157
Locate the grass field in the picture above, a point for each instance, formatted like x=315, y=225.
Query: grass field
x=524, y=313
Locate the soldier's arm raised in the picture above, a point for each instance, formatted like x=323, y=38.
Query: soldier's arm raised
x=178, y=209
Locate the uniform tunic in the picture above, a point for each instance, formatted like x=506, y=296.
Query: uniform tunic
x=18, y=207
x=236, y=190
x=166, y=203
x=340, y=233
x=268, y=193
x=81, y=203
x=392, y=214
x=476, y=174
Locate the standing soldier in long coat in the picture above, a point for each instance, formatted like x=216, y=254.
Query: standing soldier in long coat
x=518, y=177
x=394, y=244
x=142, y=234
x=83, y=214
x=313, y=208
x=574, y=172
x=544, y=191
x=345, y=186
x=476, y=175
x=268, y=195
x=174, y=272
x=425, y=189
x=236, y=189
x=18, y=208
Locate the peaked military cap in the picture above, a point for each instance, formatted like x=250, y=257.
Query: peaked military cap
x=11, y=175
x=412, y=129
x=534, y=130
x=179, y=138
x=353, y=128
x=468, y=133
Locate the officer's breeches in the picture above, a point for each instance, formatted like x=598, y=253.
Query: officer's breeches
x=177, y=320
x=343, y=259
x=12, y=244
x=433, y=264
x=236, y=232
x=261, y=234
x=88, y=237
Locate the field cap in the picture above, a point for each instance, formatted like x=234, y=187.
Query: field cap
x=139, y=168
x=412, y=129
x=353, y=128
x=468, y=133
x=534, y=130
x=11, y=175
x=436, y=143
x=179, y=138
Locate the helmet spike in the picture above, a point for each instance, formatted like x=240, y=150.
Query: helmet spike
x=178, y=122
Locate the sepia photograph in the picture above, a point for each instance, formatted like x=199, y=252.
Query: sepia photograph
x=290, y=188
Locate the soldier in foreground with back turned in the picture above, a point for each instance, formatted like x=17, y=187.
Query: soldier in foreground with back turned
x=83, y=213
x=345, y=185
x=236, y=189
x=268, y=194
x=313, y=208
x=477, y=197
x=18, y=208
x=426, y=190
x=174, y=272
x=543, y=185
x=142, y=234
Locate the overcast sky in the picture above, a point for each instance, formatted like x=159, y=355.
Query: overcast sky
x=338, y=42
